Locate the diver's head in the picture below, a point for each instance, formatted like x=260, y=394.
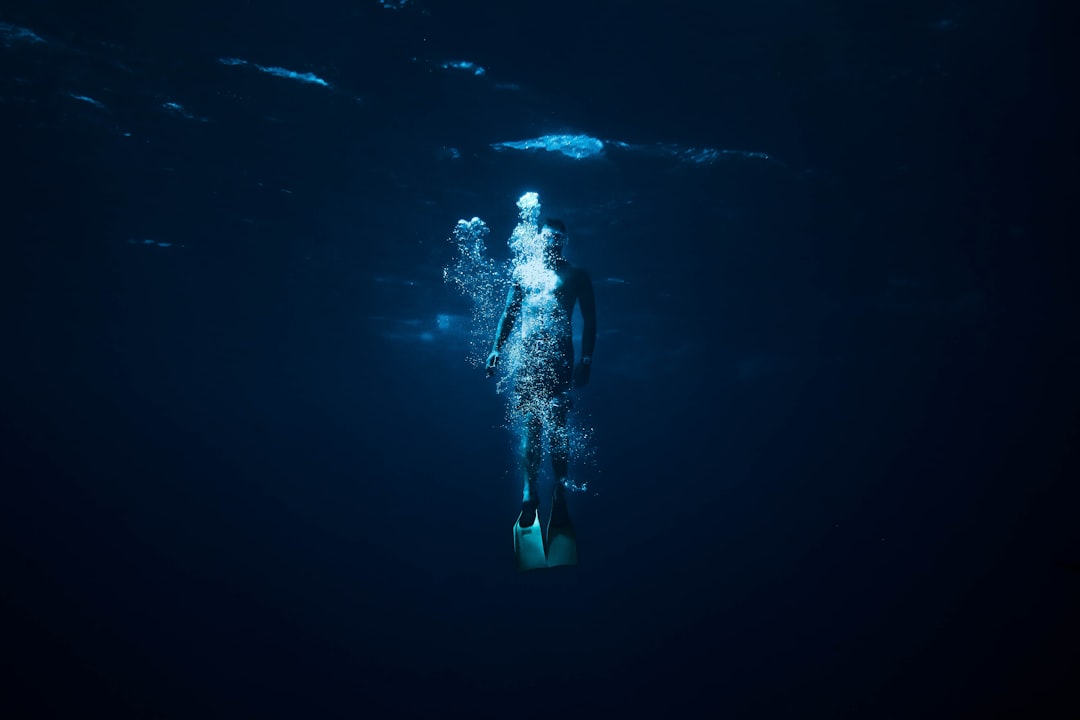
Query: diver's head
x=553, y=233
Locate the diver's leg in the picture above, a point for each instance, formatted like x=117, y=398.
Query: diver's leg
x=531, y=451
x=561, y=547
x=559, y=438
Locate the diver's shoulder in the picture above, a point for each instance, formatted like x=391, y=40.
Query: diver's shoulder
x=574, y=269
x=573, y=273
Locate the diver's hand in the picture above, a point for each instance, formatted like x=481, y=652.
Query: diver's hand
x=581, y=373
x=492, y=362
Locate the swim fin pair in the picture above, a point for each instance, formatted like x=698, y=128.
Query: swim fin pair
x=561, y=549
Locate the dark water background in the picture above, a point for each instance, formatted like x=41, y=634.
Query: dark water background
x=247, y=474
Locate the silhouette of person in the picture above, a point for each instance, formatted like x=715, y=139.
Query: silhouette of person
x=541, y=303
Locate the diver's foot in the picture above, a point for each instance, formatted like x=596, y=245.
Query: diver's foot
x=528, y=513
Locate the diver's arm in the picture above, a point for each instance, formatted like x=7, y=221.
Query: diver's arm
x=588, y=314
x=506, y=325
x=509, y=317
x=587, y=301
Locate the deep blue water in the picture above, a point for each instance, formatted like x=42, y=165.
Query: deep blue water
x=248, y=474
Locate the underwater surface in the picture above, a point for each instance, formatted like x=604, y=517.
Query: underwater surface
x=254, y=255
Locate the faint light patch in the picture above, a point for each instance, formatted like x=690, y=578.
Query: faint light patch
x=179, y=110
x=311, y=78
x=10, y=35
x=149, y=242
x=464, y=65
x=409, y=330
x=457, y=326
x=951, y=17
x=573, y=146
x=88, y=100
x=307, y=78
x=393, y=4
x=709, y=156
x=584, y=146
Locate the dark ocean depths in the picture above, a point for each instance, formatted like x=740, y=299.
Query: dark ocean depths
x=251, y=471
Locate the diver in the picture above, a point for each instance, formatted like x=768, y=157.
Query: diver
x=541, y=303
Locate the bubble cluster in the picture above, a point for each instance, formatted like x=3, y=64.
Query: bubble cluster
x=481, y=279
